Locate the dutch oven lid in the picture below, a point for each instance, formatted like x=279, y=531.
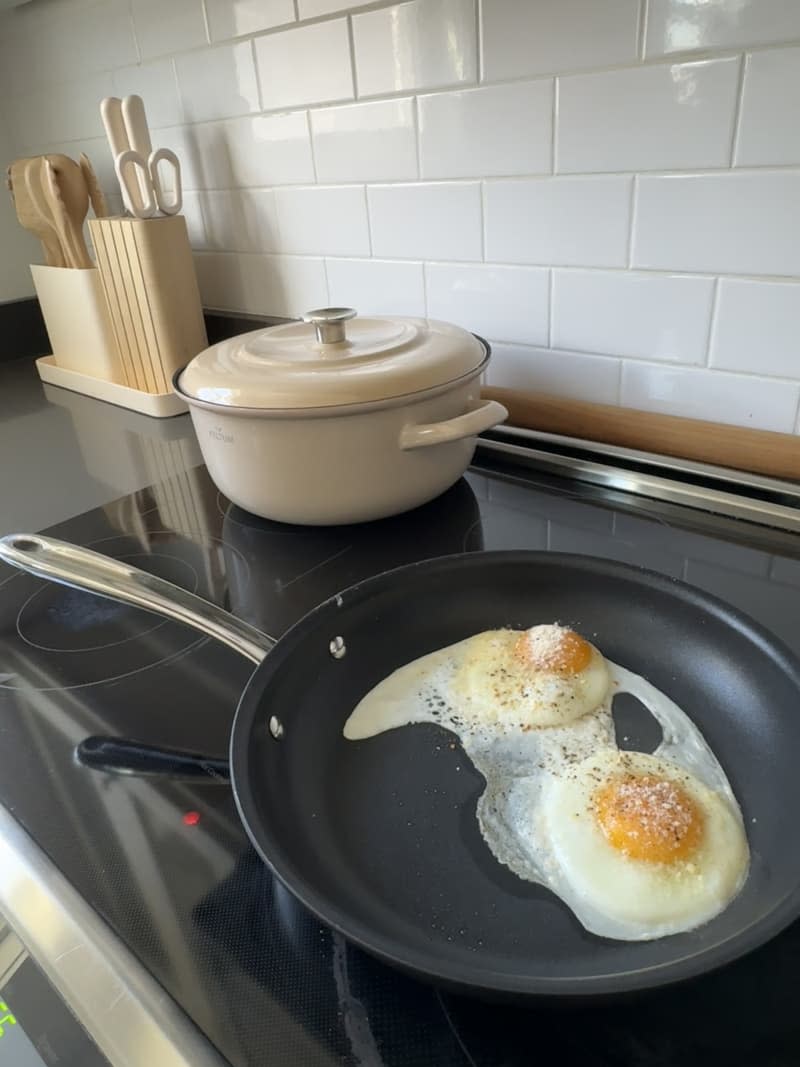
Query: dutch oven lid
x=327, y=360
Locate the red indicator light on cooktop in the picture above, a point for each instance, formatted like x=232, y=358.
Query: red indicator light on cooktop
x=191, y=818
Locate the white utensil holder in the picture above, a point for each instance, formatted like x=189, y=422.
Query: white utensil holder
x=78, y=324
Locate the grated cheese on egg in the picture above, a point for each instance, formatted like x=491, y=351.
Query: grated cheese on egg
x=545, y=644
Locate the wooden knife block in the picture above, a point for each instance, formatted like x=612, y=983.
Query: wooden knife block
x=149, y=280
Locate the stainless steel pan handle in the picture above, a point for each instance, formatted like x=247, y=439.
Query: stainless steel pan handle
x=92, y=572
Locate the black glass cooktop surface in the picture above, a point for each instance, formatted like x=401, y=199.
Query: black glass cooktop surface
x=167, y=864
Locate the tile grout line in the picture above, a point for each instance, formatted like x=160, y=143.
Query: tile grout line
x=479, y=41
x=633, y=204
x=554, y=120
x=311, y=148
x=327, y=280
x=351, y=45
x=641, y=29
x=550, y=288
x=712, y=323
x=177, y=83
x=134, y=34
x=737, y=110
x=365, y=187
x=620, y=369
x=417, y=136
x=257, y=73
x=482, y=208
x=206, y=22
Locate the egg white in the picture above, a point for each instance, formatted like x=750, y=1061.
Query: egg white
x=536, y=774
x=450, y=687
x=547, y=833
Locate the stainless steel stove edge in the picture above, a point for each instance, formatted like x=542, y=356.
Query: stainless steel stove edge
x=739, y=495
x=131, y=1019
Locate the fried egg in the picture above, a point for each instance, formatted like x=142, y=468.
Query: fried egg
x=635, y=845
x=497, y=691
x=638, y=846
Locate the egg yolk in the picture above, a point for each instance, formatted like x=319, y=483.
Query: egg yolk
x=553, y=648
x=648, y=818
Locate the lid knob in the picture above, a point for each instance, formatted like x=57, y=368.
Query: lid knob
x=329, y=323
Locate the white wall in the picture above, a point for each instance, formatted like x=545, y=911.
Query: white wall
x=17, y=247
x=609, y=190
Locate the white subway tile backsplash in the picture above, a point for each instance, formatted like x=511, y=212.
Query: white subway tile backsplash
x=325, y=220
x=199, y=148
x=769, y=131
x=48, y=43
x=72, y=113
x=192, y=211
x=558, y=221
x=426, y=221
x=497, y=129
x=310, y=9
x=256, y=150
x=524, y=37
x=269, y=149
x=164, y=28
x=240, y=220
x=500, y=303
x=157, y=85
x=87, y=39
x=365, y=142
x=99, y=154
x=707, y=394
x=649, y=118
x=233, y=18
x=377, y=286
x=281, y=285
x=420, y=44
x=623, y=313
x=758, y=327
x=513, y=166
x=218, y=83
x=305, y=65
x=547, y=370
x=737, y=223
x=681, y=26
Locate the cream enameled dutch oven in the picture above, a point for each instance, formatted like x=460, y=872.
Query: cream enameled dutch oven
x=309, y=422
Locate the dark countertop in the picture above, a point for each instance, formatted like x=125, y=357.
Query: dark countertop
x=64, y=453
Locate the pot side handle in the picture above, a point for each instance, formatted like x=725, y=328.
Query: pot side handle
x=481, y=418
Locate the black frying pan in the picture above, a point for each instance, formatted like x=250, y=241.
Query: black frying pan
x=379, y=837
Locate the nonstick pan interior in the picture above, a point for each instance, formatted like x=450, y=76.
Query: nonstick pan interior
x=379, y=837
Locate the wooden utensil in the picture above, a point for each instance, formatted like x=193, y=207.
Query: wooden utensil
x=33, y=213
x=96, y=197
x=759, y=451
x=68, y=198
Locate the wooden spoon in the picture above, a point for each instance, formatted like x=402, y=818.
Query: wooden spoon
x=32, y=209
x=98, y=200
x=65, y=189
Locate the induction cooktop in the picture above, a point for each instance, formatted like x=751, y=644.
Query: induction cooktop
x=166, y=864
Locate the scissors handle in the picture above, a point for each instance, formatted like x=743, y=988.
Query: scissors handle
x=136, y=183
x=172, y=205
